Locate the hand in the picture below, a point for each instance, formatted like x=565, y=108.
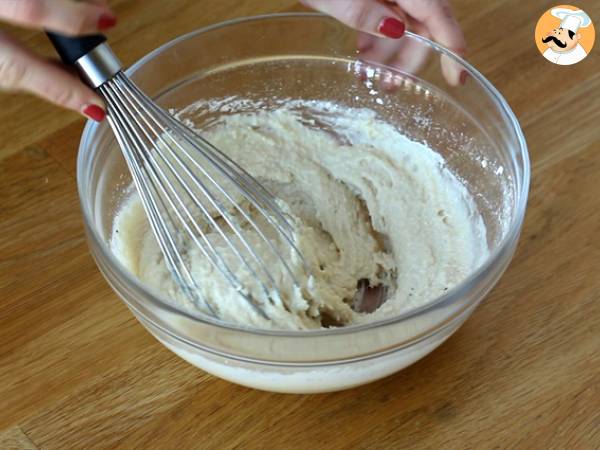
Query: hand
x=22, y=70
x=390, y=18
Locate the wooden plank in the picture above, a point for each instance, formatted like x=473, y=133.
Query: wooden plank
x=15, y=439
x=77, y=370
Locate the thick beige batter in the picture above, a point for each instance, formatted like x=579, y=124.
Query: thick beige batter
x=367, y=203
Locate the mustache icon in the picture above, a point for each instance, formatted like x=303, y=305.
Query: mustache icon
x=555, y=40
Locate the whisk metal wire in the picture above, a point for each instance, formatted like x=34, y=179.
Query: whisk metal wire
x=180, y=178
x=165, y=158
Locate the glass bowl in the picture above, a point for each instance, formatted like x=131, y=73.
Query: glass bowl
x=310, y=56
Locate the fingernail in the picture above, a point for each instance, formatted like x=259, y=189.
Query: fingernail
x=94, y=112
x=106, y=21
x=463, y=77
x=391, y=28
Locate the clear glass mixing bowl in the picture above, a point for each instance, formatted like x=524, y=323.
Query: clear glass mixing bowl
x=310, y=56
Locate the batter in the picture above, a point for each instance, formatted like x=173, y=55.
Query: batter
x=366, y=204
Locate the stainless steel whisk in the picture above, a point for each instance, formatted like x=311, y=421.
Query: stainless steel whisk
x=187, y=186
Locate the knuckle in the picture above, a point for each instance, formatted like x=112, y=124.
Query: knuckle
x=358, y=17
x=459, y=44
x=447, y=10
x=12, y=72
x=83, y=19
x=31, y=11
x=61, y=96
x=77, y=27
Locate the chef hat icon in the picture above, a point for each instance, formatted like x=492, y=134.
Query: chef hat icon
x=571, y=20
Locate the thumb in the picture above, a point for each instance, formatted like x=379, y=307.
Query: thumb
x=369, y=16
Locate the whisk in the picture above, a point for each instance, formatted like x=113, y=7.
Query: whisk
x=187, y=186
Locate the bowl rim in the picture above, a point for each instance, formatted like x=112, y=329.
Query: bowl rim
x=448, y=298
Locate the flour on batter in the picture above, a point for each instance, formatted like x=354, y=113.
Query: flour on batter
x=366, y=202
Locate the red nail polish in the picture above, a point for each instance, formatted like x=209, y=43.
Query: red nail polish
x=463, y=77
x=391, y=28
x=94, y=112
x=106, y=21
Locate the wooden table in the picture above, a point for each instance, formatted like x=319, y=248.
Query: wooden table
x=78, y=371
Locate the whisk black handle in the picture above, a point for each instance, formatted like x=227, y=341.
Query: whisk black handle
x=91, y=55
x=70, y=49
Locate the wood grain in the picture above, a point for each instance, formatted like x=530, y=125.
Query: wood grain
x=77, y=371
x=15, y=439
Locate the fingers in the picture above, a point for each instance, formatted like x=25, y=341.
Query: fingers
x=413, y=55
x=369, y=16
x=405, y=56
x=63, y=16
x=22, y=70
x=389, y=17
x=437, y=16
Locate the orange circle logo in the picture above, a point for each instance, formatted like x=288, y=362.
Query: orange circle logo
x=565, y=35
